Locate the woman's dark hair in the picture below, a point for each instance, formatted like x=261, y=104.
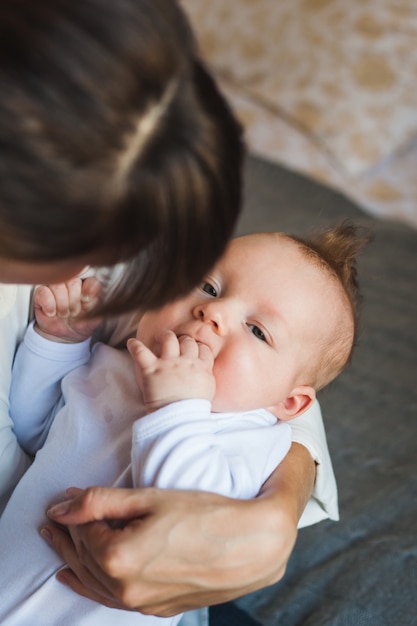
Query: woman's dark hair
x=115, y=138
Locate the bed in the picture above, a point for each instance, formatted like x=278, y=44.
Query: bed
x=324, y=87
x=362, y=570
x=326, y=90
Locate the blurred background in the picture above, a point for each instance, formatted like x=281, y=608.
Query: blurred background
x=324, y=87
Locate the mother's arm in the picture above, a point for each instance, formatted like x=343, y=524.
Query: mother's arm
x=181, y=549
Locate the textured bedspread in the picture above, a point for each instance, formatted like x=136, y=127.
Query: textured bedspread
x=325, y=87
x=361, y=571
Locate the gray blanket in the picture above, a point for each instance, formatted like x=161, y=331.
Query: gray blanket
x=361, y=571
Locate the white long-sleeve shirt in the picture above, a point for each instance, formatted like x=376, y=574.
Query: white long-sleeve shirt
x=14, y=310
x=96, y=432
x=97, y=435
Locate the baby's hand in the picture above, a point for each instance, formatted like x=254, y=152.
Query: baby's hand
x=183, y=371
x=59, y=309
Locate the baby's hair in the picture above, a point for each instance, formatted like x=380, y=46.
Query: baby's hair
x=115, y=140
x=336, y=250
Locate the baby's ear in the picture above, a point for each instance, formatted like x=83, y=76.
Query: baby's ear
x=298, y=401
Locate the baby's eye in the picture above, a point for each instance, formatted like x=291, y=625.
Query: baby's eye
x=257, y=332
x=208, y=288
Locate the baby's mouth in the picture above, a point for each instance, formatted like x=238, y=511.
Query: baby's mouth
x=191, y=337
x=197, y=340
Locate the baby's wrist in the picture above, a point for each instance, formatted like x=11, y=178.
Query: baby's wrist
x=56, y=338
x=155, y=405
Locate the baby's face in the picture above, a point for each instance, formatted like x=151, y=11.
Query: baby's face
x=260, y=312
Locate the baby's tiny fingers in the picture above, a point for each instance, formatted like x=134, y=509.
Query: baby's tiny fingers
x=143, y=356
x=74, y=287
x=205, y=354
x=90, y=293
x=169, y=345
x=62, y=299
x=44, y=300
x=188, y=346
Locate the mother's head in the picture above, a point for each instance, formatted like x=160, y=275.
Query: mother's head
x=115, y=145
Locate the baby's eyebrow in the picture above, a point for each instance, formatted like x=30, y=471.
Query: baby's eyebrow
x=269, y=310
x=273, y=320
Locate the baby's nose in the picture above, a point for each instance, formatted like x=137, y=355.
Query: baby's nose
x=212, y=314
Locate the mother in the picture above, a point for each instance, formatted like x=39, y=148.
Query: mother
x=116, y=149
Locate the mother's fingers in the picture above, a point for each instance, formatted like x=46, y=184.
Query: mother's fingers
x=89, y=581
x=101, y=503
x=67, y=577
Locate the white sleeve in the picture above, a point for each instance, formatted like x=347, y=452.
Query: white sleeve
x=35, y=391
x=308, y=430
x=184, y=446
x=14, y=314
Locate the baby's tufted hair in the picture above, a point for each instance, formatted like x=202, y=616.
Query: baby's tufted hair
x=336, y=250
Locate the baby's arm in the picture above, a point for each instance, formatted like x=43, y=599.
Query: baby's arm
x=60, y=343
x=59, y=310
x=35, y=392
x=182, y=444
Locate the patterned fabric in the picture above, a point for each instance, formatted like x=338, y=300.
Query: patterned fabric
x=362, y=570
x=326, y=87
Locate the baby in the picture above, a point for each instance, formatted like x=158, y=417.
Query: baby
x=215, y=377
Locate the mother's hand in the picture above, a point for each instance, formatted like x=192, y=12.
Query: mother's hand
x=174, y=551
x=178, y=550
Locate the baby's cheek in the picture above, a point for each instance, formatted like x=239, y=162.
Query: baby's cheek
x=230, y=387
